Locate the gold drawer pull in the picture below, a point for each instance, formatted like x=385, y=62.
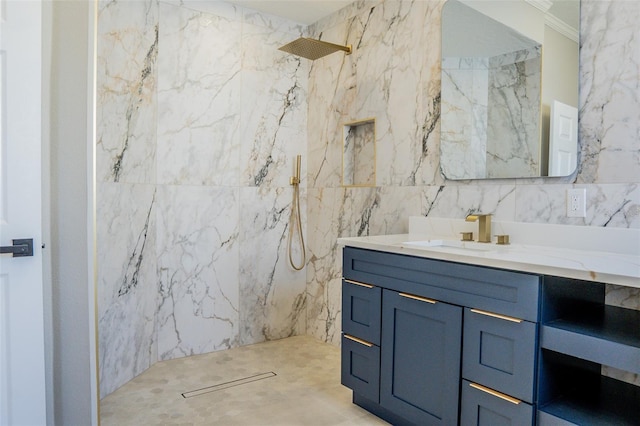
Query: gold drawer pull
x=355, y=339
x=359, y=283
x=421, y=299
x=495, y=393
x=491, y=314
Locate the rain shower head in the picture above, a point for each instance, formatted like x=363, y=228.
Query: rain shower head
x=313, y=49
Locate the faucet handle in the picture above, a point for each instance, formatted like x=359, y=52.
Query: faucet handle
x=467, y=236
x=503, y=240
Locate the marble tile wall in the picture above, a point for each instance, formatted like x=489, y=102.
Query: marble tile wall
x=514, y=96
x=394, y=76
x=200, y=117
x=488, y=100
x=463, y=125
x=126, y=198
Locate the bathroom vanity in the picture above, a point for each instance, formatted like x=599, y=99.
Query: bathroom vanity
x=449, y=334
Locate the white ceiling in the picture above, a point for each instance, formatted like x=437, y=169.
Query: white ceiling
x=302, y=11
x=309, y=11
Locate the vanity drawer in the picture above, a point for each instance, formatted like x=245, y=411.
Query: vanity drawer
x=481, y=406
x=361, y=310
x=360, y=367
x=499, y=352
x=511, y=293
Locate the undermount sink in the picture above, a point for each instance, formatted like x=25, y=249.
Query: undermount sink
x=452, y=245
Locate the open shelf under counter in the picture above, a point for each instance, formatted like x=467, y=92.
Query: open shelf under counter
x=607, y=402
x=604, y=334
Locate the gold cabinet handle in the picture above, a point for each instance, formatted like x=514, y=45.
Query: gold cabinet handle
x=421, y=299
x=358, y=283
x=491, y=314
x=355, y=339
x=495, y=393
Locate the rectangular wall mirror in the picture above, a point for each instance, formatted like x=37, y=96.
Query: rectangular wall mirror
x=509, y=88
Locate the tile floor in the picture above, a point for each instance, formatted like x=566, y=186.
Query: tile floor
x=305, y=389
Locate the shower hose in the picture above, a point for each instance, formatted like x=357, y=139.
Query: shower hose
x=295, y=222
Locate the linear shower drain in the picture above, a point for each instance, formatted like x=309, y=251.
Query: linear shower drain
x=230, y=384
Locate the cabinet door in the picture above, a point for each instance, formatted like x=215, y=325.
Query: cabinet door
x=420, y=365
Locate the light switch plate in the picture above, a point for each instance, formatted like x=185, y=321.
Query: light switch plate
x=577, y=202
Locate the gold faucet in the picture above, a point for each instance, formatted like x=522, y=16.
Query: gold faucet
x=484, y=228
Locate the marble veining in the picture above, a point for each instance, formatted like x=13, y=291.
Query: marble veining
x=274, y=93
x=609, y=85
x=198, y=306
x=132, y=270
x=490, y=127
x=272, y=294
x=127, y=287
x=199, y=91
x=126, y=92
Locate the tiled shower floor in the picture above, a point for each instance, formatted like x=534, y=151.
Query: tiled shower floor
x=294, y=381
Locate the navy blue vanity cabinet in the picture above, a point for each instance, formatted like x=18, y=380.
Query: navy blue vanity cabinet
x=437, y=327
x=420, y=365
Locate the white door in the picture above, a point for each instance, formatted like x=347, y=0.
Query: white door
x=563, y=140
x=22, y=376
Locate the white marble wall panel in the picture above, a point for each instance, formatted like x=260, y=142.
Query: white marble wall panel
x=337, y=212
x=428, y=162
x=199, y=67
x=388, y=71
x=332, y=90
x=127, y=51
x=272, y=293
x=457, y=201
x=324, y=269
x=463, y=132
x=273, y=23
x=513, y=115
x=609, y=125
x=127, y=284
x=198, y=306
x=273, y=107
x=219, y=8
x=613, y=205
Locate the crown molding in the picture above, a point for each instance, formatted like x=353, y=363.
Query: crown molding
x=553, y=22
x=562, y=27
x=543, y=5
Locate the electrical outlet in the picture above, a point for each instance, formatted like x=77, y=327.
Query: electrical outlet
x=577, y=202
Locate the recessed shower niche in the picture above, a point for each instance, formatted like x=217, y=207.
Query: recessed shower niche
x=359, y=153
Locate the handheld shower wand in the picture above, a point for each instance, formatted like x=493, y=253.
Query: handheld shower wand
x=295, y=221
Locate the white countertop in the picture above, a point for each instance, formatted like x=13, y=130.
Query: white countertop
x=590, y=265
